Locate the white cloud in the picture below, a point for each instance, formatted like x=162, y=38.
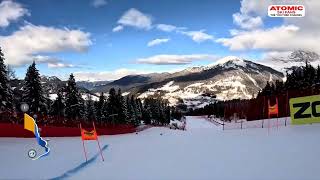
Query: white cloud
x=24, y=45
x=166, y=59
x=292, y=34
x=251, y=13
x=158, y=41
x=272, y=55
x=60, y=65
x=137, y=19
x=52, y=62
x=198, y=36
x=166, y=27
x=106, y=75
x=99, y=3
x=310, y=23
x=11, y=11
x=234, y=32
x=256, y=8
x=247, y=22
x=276, y=38
x=117, y=28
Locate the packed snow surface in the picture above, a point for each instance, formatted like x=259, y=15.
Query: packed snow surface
x=203, y=152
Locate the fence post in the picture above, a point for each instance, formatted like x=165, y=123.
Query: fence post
x=287, y=104
x=285, y=122
x=241, y=124
x=262, y=123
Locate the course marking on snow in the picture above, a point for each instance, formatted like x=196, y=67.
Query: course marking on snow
x=31, y=125
x=73, y=171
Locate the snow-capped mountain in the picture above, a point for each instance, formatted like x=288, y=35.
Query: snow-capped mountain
x=228, y=78
x=91, y=85
x=131, y=82
x=293, y=60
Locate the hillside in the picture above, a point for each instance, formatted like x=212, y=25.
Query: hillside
x=229, y=78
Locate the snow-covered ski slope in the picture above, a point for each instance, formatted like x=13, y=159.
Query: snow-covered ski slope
x=200, y=123
x=203, y=152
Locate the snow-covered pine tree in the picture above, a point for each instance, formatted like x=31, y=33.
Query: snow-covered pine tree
x=11, y=73
x=32, y=91
x=139, y=109
x=122, y=108
x=90, y=110
x=135, y=111
x=6, y=96
x=74, y=102
x=130, y=115
x=48, y=102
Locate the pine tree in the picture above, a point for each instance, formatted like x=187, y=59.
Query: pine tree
x=318, y=75
x=105, y=118
x=136, y=111
x=155, y=108
x=74, y=101
x=131, y=115
x=122, y=108
x=99, y=107
x=6, y=96
x=58, y=106
x=111, y=107
x=10, y=72
x=139, y=109
x=90, y=110
x=168, y=114
x=146, y=111
x=279, y=87
x=48, y=102
x=32, y=91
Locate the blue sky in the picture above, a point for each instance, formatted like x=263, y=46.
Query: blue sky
x=107, y=39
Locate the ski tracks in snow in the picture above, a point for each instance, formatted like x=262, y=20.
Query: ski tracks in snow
x=79, y=168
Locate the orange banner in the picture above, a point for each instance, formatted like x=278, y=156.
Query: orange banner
x=89, y=135
x=273, y=110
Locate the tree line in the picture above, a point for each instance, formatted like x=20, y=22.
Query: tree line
x=306, y=78
x=69, y=107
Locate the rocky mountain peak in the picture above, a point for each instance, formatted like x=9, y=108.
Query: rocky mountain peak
x=303, y=55
x=228, y=61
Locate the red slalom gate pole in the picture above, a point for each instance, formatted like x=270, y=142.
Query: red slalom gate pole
x=84, y=148
x=268, y=117
x=269, y=125
x=98, y=141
